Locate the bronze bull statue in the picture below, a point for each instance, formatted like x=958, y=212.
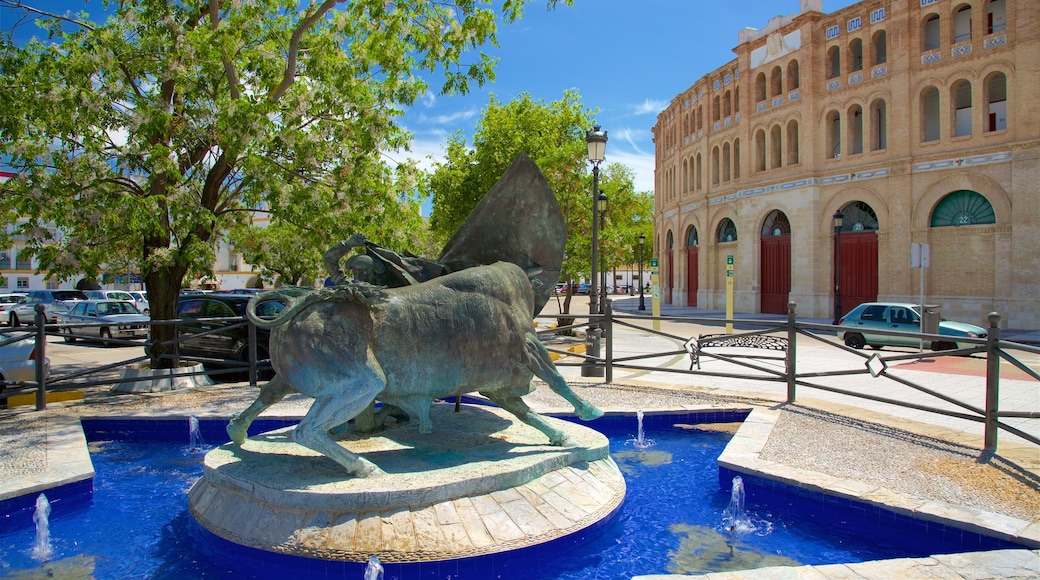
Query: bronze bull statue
x=350, y=345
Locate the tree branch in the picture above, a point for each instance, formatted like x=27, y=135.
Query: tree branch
x=294, y=48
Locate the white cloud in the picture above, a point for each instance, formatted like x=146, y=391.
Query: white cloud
x=451, y=118
x=649, y=107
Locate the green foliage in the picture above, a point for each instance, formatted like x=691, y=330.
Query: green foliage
x=173, y=122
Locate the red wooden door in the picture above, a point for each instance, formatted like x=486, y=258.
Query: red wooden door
x=859, y=269
x=691, y=276
x=775, y=276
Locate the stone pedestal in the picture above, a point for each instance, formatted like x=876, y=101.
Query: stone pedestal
x=481, y=483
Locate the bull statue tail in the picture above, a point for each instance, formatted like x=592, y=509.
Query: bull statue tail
x=296, y=299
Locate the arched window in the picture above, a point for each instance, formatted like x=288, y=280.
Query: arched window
x=760, y=87
x=716, y=109
x=792, y=142
x=671, y=241
x=880, y=45
x=833, y=128
x=691, y=237
x=962, y=24
x=727, y=231
x=834, y=62
x=930, y=114
x=736, y=99
x=878, y=125
x=776, y=224
x=727, y=107
x=996, y=102
x=859, y=217
x=736, y=159
x=960, y=96
x=725, y=162
x=930, y=32
x=700, y=117
x=963, y=208
x=856, y=129
x=697, y=179
x=855, y=55
x=776, y=82
x=996, y=17
x=774, y=147
x=685, y=173
x=793, y=76
x=715, y=166
x=760, y=150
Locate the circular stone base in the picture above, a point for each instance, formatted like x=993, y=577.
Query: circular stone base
x=144, y=379
x=481, y=483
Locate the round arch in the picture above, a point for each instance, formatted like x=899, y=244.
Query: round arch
x=692, y=264
x=980, y=184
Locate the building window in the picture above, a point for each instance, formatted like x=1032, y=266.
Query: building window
x=930, y=32
x=833, y=128
x=962, y=24
x=691, y=237
x=834, y=62
x=793, y=80
x=760, y=150
x=727, y=231
x=961, y=98
x=3, y=282
x=774, y=147
x=736, y=159
x=855, y=55
x=736, y=99
x=726, y=162
x=5, y=260
x=727, y=107
x=22, y=262
x=930, y=114
x=880, y=48
x=700, y=117
x=859, y=217
x=716, y=109
x=856, y=129
x=792, y=142
x=963, y=208
x=697, y=177
x=776, y=82
x=776, y=224
x=685, y=174
x=996, y=102
x=22, y=283
x=996, y=18
x=878, y=125
x=760, y=87
x=715, y=166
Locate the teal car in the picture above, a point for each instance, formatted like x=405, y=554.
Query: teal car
x=870, y=323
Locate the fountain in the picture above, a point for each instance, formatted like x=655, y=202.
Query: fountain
x=734, y=520
x=196, y=442
x=42, y=550
x=641, y=441
x=374, y=570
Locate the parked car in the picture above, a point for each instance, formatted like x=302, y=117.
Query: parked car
x=583, y=288
x=18, y=362
x=7, y=303
x=140, y=300
x=122, y=320
x=54, y=301
x=867, y=324
x=231, y=343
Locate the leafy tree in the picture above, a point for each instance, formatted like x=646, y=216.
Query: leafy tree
x=628, y=214
x=175, y=120
x=553, y=135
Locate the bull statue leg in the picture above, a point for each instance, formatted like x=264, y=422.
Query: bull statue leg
x=275, y=390
x=537, y=359
x=518, y=407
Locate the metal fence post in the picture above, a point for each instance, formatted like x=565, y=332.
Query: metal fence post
x=41, y=357
x=608, y=318
x=792, y=335
x=252, y=354
x=992, y=380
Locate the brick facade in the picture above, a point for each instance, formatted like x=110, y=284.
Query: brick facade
x=921, y=117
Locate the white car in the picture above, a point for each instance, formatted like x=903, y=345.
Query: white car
x=18, y=362
x=53, y=301
x=140, y=300
x=7, y=303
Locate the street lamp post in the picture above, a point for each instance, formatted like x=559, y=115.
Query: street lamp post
x=596, y=139
x=602, y=267
x=642, y=241
x=839, y=221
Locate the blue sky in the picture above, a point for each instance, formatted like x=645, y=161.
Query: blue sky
x=626, y=58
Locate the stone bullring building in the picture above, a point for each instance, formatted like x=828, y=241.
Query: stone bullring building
x=916, y=120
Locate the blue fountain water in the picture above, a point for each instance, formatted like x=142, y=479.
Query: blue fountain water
x=675, y=520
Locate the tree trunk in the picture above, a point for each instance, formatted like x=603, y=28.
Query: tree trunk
x=164, y=288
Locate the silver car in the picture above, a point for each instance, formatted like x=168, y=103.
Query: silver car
x=103, y=320
x=54, y=301
x=7, y=304
x=18, y=361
